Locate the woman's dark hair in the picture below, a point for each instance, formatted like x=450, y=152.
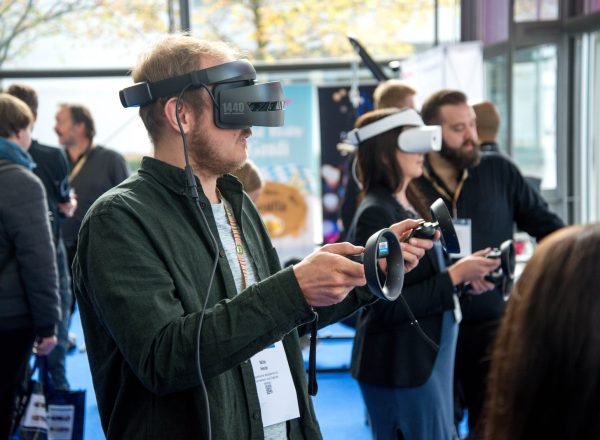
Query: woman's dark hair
x=377, y=164
x=376, y=159
x=545, y=375
x=418, y=201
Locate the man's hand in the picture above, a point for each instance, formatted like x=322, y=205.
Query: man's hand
x=480, y=286
x=68, y=208
x=326, y=276
x=473, y=269
x=44, y=346
x=413, y=249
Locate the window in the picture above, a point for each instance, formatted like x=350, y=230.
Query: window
x=117, y=128
x=594, y=128
x=80, y=34
x=535, y=10
x=275, y=30
x=534, y=113
x=587, y=124
x=449, y=21
x=496, y=91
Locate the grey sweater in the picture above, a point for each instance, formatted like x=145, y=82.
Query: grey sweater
x=28, y=277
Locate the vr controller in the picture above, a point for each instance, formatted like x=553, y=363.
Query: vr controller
x=504, y=275
x=384, y=244
x=442, y=221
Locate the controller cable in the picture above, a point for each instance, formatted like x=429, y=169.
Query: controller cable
x=192, y=186
x=415, y=322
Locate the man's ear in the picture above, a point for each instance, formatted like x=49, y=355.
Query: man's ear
x=186, y=115
x=18, y=136
x=15, y=137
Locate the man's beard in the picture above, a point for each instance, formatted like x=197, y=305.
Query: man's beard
x=203, y=153
x=461, y=158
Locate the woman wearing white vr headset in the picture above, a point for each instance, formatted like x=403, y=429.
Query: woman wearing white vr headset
x=405, y=376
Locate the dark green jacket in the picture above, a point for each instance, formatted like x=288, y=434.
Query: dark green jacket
x=141, y=276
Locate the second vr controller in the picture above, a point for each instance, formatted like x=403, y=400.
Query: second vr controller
x=385, y=244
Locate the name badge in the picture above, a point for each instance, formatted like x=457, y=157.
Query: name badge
x=276, y=390
x=457, y=310
x=462, y=226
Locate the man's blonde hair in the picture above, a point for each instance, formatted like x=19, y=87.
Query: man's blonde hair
x=173, y=56
x=392, y=93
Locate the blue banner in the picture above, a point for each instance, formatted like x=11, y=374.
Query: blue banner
x=288, y=160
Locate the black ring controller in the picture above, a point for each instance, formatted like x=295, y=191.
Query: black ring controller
x=442, y=221
x=504, y=275
x=383, y=244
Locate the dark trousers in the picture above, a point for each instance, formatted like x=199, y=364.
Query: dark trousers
x=57, y=358
x=16, y=344
x=475, y=340
x=71, y=252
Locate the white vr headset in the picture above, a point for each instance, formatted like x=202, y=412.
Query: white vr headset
x=420, y=139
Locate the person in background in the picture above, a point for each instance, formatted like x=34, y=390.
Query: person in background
x=544, y=380
x=488, y=123
x=487, y=196
x=29, y=301
x=392, y=93
x=53, y=170
x=94, y=168
x=145, y=287
x=251, y=179
x=406, y=376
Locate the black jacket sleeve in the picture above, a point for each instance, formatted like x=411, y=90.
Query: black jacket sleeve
x=532, y=214
x=426, y=290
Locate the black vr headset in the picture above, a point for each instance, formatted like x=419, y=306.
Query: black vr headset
x=238, y=101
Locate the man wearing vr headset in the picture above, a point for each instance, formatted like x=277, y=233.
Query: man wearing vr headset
x=487, y=196
x=150, y=249
x=405, y=376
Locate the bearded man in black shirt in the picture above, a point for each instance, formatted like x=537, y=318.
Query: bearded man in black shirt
x=487, y=196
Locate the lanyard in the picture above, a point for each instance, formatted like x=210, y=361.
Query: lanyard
x=440, y=187
x=237, y=239
x=78, y=165
x=241, y=257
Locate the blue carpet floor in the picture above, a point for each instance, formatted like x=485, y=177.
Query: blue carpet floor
x=338, y=404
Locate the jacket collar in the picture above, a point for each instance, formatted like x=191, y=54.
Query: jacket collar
x=439, y=185
x=174, y=179
x=13, y=153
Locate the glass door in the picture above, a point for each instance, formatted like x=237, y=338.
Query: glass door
x=534, y=114
x=587, y=130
